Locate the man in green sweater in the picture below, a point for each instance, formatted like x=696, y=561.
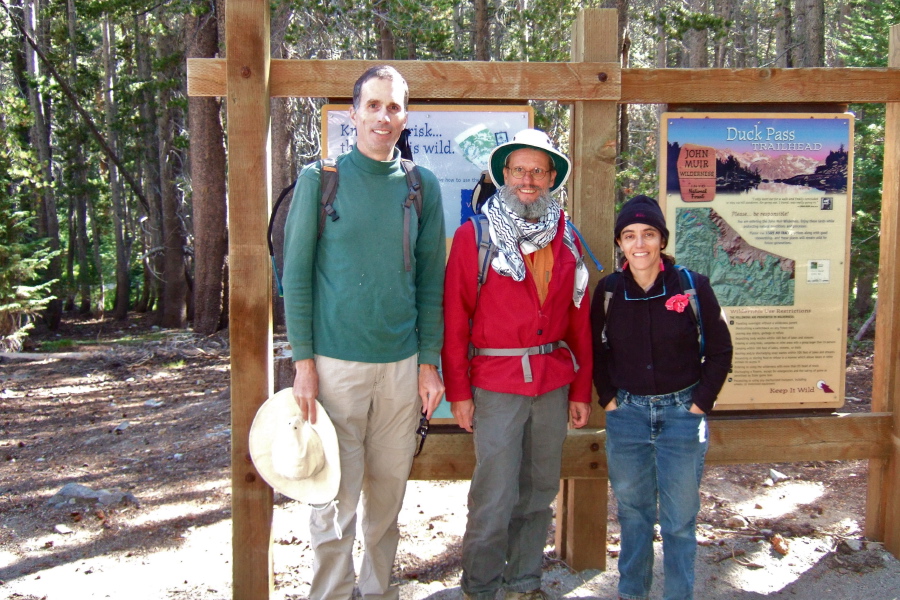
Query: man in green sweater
x=366, y=333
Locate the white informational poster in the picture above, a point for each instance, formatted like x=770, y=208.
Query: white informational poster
x=761, y=204
x=453, y=142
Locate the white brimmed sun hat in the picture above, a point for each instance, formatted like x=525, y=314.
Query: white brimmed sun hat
x=297, y=458
x=529, y=138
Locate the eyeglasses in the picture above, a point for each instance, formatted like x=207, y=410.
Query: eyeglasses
x=648, y=297
x=537, y=173
x=422, y=432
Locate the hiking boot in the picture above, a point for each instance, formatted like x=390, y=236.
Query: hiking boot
x=537, y=594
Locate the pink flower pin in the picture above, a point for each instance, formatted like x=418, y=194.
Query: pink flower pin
x=678, y=302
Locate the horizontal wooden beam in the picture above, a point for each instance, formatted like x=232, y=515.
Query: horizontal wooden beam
x=795, y=439
x=445, y=80
x=474, y=80
x=764, y=86
x=732, y=441
x=206, y=76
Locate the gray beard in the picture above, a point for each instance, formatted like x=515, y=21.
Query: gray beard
x=535, y=210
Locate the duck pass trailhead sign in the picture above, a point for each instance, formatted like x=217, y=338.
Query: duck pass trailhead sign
x=761, y=204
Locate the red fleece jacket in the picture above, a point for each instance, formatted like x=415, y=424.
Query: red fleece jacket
x=508, y=314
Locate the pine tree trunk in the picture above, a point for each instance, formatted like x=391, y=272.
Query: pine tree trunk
x=783, y=36
x=173, y=311
x=123, y=250
x=385, y=35
x=482, y=31
x=79, y=182
x=726, y=10
x=47, y=219
x=809, y=19
x=696, y=41
x=843, y=30
x=151, y=228
x=865, y=286
x=100, y=299
x=662, y=59
x=207, y=148
x=69, y=305
x=81, y=238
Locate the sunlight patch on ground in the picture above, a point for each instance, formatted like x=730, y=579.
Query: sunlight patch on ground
x=439, y=516
x=850, y=526
x=167, y=512
x=7, y=559
x=777, y=571
x=71, y=390
x=201, y=563
x=780, y=499
x=212, y=485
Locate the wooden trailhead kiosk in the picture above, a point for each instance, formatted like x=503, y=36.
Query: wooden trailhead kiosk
x=593, y=83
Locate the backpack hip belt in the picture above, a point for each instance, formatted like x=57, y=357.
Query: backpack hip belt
x=525, y=353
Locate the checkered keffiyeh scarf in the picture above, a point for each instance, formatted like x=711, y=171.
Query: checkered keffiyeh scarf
x=515, y=237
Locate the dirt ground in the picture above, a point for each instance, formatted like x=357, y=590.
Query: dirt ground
x=144, y=413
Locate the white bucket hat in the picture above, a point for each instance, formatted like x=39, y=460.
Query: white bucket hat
x=529, y=138
x=295, y=457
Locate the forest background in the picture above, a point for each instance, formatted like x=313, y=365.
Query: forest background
x=113, y=193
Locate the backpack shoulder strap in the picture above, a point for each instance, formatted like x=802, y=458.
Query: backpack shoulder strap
x=688, y=287
x=329, y=184
x=486, y=248
x=609, y=290
x=413, y=199
x=414, y=182
x=285, y=195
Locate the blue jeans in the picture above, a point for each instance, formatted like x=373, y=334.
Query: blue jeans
x=518, y=450
x=655, y=449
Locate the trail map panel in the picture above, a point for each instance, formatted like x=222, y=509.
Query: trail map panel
x=761, y=204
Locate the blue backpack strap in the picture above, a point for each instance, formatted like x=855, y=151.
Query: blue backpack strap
x=688, y=287
x=584, y=245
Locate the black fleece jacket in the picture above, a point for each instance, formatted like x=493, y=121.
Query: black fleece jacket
x=653, y=350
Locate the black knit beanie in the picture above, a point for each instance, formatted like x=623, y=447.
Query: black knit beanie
x=641, y=209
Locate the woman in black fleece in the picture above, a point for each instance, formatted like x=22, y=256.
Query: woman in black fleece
x=657, y=389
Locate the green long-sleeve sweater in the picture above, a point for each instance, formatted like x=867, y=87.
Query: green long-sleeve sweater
x=348, y=295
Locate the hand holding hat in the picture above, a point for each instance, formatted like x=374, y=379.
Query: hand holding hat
x=295, y=457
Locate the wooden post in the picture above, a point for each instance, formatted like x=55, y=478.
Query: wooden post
x=582, y=503
x=250, y=318
x=883, y=502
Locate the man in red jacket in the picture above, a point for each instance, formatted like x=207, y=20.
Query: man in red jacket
x=517, y=363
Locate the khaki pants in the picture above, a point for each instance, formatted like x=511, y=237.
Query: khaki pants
x=375, y=409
